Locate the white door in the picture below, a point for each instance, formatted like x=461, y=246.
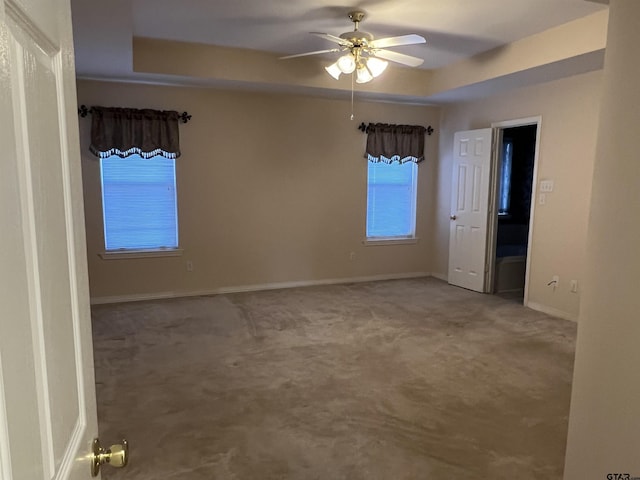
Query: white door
x=472, y=152
x=47, y=392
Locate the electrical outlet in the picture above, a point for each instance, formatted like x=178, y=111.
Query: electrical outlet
x=574, y=286
x=542, y=198
x=189, y=266
x=352, y=255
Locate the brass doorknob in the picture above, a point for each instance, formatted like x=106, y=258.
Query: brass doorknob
x=116, y=455
x=453, y=217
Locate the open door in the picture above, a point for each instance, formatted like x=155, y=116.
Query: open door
x=47, y=392
x=472, y=154
x=511, y=214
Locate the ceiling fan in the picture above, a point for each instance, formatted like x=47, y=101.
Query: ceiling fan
x=365, y=55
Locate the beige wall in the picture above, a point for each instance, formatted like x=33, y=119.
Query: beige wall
x=271, y=188
x=569, y=110
x=604, y=424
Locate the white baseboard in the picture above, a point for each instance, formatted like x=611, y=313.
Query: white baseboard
x=441, y=276
x=253, y=288
x=552, y=311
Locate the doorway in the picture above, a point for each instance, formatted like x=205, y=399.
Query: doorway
x=515, y=174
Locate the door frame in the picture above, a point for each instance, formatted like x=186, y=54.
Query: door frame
x=492, y=228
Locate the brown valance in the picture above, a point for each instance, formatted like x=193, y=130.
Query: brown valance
x=128, y=131
x=395, y=143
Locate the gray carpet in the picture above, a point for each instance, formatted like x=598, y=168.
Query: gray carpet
x=406, y=379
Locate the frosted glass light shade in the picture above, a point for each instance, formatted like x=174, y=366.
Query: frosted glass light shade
x=346, y=63
x=363, y=75
x=334, y=70
x=376, y=66
x=366, y=69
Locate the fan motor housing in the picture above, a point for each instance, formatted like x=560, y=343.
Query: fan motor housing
x=358, y=38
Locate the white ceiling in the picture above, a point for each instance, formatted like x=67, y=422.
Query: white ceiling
x=454, y=29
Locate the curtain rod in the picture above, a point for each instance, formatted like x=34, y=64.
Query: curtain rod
x=363, y=128
x=83, y=111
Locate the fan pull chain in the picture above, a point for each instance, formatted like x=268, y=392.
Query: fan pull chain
x=352, y=80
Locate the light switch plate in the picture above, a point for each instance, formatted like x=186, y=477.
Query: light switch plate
x=546, y=186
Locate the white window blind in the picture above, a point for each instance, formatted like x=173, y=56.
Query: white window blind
x=139, y=203
x=391, y=200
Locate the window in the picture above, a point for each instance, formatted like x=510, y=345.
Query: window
x=139, y=203
x=391, y=200
x=504, y=200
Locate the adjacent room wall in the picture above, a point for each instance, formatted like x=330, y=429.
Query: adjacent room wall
x=603, y=439
x=271, y=189
x=569, y=110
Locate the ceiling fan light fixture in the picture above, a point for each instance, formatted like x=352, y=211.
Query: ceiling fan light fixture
x=347, y=63
x=334, y=70
x=363, y=56
x=376, y=66
x=363, y=75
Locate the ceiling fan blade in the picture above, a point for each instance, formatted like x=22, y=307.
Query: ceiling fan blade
x=333, y=38
x=397, y=41
x=399, y=58
x=332, y=50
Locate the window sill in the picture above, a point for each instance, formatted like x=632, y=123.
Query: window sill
x=390, y=241
x=121, y=254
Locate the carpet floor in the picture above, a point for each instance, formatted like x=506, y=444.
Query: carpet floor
x=404, y=379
